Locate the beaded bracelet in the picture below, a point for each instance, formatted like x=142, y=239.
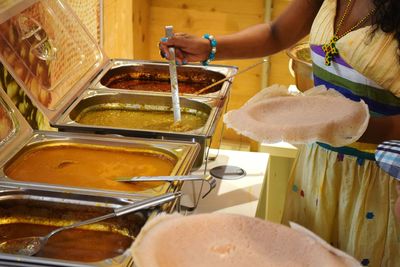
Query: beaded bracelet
x=213, y=44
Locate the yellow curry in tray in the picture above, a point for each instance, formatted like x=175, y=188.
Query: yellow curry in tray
x=90, y=166
x=142, y=119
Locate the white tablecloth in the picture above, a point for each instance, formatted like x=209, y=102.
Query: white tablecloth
x=232, y=196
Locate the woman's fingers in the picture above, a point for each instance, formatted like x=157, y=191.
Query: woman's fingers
x=163, y=49
x=180, y=57
x=188, y=48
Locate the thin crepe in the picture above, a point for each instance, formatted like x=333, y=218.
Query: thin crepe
x=207, y=240
x=318, y=115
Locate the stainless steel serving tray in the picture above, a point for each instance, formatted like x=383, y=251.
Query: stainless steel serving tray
x=142, y=102
x=19, y=203
x=154, y=71
x=183, y=153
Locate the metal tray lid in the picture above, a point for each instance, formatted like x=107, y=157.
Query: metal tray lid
x=14, y=129
x=48, y=51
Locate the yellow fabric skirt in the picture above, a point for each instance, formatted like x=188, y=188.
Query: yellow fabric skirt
x=347, y=201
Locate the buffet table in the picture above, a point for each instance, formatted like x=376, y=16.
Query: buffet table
x=238, y=196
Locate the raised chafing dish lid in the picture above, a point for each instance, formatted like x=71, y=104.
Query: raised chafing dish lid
x=52, y=56
x=17, y=131
x=48, y=51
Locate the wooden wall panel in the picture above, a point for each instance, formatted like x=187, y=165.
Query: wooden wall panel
x=141, y=13
x=279, y=71
x=118, y=28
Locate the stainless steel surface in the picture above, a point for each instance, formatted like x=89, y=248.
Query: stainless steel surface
x=185, y=153
x=300, y=66
x=173, y=76
x=134, y=101
x=30, y=246
x=204, y=178
x=158, y=71
x=59, y=202
x=161, y=178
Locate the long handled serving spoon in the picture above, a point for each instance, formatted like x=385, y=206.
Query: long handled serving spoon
x=208, y=87
x=205, y=178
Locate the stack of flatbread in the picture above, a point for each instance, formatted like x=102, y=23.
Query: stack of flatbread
x=322, y=115
x=227, y=240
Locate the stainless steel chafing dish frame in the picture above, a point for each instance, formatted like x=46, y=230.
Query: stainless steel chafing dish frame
x=23, y=137
x=65, y=122
x=66, y=196
x=182, y=166
x=118, y=63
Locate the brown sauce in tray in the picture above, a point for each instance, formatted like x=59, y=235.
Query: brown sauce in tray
x=147, y=120
x=89, y=166
x=158, y=86
x=75, y=244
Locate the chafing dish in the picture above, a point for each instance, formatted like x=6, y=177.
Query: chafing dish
x=152, y=77
x=50, y=54
x=87, y=160
x=36, y=210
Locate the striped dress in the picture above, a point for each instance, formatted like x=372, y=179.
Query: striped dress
x=340, y=193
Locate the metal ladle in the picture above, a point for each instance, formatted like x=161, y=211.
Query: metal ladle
x=264, y=60
x=30, y=246
x=178, y=178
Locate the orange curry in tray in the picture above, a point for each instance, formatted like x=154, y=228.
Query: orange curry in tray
x=90, y=166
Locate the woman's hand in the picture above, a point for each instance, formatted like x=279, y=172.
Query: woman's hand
x=188, y=48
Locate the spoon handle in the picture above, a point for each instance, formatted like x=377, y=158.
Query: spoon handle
x=161, y=178
x=147, y=203
x=169, y=32
x=142, y=204
x=230, y=76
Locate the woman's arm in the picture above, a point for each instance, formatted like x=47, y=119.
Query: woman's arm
x=382, y=129
x=256, y=41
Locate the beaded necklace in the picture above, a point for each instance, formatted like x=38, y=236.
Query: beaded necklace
x=330, y=48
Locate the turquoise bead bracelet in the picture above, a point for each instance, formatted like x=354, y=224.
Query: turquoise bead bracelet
x=213, y=44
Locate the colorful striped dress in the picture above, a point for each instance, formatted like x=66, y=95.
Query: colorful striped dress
x=340, y=193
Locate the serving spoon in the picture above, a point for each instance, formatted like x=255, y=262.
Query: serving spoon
x=208, y=87
x=31, y=245
x=174, y=178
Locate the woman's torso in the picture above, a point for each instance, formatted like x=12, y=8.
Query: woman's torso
x=366, y=67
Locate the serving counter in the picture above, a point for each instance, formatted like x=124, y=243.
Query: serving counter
x=238, y=196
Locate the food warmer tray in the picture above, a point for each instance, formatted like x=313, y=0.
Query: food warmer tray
x=35, y=207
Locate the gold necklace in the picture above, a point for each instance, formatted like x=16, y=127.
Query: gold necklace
x=330, y=48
